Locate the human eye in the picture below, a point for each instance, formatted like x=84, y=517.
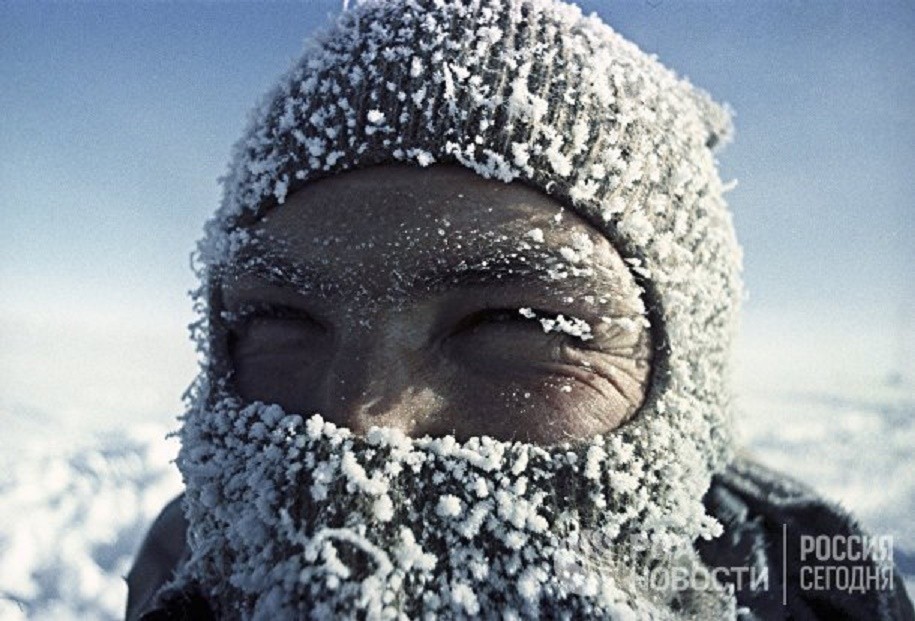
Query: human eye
x=267, y=329
x=492, y=318
x=508, y=337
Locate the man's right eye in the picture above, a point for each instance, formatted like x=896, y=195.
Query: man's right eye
x=255, y=314
x=272, y=330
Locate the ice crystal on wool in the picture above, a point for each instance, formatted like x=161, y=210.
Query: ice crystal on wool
x=559, y=101
x=523, y=90
x=403, y=528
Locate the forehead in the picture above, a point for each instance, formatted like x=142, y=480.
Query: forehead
x=377, y=219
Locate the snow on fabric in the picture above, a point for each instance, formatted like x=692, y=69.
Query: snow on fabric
x=623, y=141
x=578, y=112
x=296, y=518
x=528, y=91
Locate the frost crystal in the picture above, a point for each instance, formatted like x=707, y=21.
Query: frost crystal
x=477, y=523
x=572, y=326
x=449, y=506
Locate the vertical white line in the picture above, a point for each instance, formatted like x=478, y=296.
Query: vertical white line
x=784, y=564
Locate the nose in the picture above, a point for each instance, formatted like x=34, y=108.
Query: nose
x=371, y=384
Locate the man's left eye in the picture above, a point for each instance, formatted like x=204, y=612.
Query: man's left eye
x=504, y=337
x=493, y=318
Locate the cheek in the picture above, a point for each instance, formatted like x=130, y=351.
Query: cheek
x=293, y=390
x=545, y=404
x=293, y=379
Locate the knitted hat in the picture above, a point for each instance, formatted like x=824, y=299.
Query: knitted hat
x=527, y=91
x=524, y=91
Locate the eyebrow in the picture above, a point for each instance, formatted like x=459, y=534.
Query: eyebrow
x=483, y=270
x=278, y=270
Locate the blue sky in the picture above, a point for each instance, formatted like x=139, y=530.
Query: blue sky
x=116, y=120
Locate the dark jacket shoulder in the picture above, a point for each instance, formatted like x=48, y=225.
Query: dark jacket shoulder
x=811, y=551
x=163, y=551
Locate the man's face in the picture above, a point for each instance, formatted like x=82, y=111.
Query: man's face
x=428, y=300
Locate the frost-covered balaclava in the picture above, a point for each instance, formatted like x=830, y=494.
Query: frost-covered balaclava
x=293, y=517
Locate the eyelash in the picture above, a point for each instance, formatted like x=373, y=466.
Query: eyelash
x=496, y=315
x=240, y=320
x=500, y=315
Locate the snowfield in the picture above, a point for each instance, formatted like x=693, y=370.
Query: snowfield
x=72, y=515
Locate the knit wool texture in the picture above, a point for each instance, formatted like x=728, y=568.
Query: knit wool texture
x=532, y=92
x=527, y=91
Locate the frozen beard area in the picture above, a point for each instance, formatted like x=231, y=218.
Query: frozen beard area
x=295, y=518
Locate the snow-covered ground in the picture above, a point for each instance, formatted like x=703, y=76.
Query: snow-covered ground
x=77, y=492
x=71, y=517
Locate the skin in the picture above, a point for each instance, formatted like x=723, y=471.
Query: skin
x=390, y=296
